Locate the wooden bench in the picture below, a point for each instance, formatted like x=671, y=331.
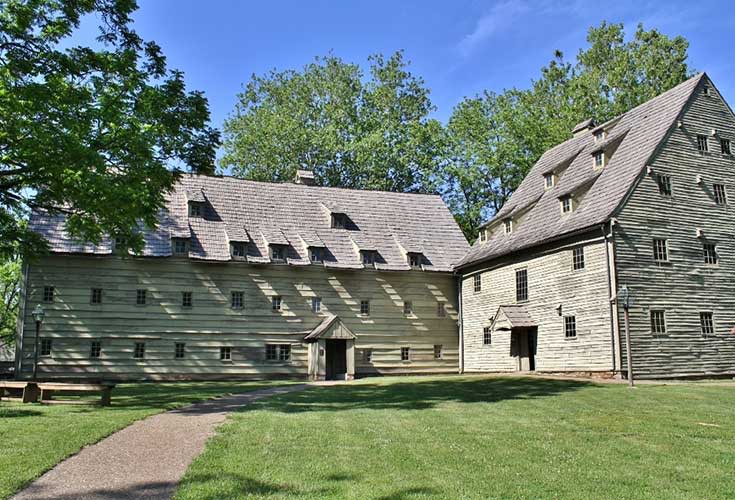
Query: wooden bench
x=48, y=389
x=17, y=390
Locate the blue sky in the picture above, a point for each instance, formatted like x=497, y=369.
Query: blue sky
x=460, y=48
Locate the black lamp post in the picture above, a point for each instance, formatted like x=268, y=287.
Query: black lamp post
x=624, y=299
x=38, y=315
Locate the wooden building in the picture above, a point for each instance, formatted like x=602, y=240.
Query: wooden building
x=646, y=201
x=247, y=279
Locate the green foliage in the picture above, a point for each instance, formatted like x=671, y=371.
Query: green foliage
x=90, y=132
x=493, y=140
x=352, y=132
x=9, y=299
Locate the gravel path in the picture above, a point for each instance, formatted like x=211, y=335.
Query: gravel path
x=146, y=459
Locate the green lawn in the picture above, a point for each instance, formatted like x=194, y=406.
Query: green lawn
x=33, y=438
x=476, y=437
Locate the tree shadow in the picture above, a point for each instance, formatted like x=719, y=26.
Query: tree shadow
x=415, y=395
x=407, y=493
x=18, y=412
x=241, y=486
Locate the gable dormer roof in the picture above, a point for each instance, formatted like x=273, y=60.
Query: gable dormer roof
x=633, y=138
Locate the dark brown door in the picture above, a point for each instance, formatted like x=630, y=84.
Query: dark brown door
x=336, y=359
x=532, y=343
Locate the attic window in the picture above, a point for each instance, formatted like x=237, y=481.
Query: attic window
x=239, y=249
x=415, y=260
x=367, y=257
x=549, y=180
x=278, y=253
x=567, y=204
x=725, y=147
x=181, y=246
x=599, y=135
x=720, y=194
x=702, y=144
x=598, y=159
x=483, y=235
x=339, y=221
x=196, y=209
x=705, y=90
x=508, y=224
x=664, y=184
x=316, y=254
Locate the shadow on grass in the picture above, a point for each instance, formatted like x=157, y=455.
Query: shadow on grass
x=18, y=413
x=416, y=394
x=240, y=485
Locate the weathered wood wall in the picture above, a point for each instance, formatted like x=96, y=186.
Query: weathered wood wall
x=551, y=282
x=72, y=322
x=686, y=286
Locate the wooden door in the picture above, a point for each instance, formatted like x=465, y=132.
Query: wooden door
x=336, y=362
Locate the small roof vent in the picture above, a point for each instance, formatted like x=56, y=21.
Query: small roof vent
x=305, y=177
x=583, y=127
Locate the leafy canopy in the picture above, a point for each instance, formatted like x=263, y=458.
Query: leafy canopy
x=351, y=131
x=9, y=299
x=98, y=133
x=494, y=139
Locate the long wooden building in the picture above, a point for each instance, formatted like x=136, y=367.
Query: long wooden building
x=249, y=279
x=643, y=201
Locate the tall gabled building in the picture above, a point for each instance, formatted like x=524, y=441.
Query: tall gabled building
x=251, y=279
x=647, y=201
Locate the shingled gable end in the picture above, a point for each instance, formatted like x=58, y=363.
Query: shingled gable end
x=640, y=201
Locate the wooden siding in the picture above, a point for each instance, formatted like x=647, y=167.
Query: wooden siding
x=551, y=282
x=72, y=322
x=686, y=286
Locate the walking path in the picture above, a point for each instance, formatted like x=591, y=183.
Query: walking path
x=146, y=459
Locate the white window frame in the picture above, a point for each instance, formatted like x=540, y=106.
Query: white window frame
x=316, y=305
x=570, y=326
x=477, y=283
x=719, y=193
x=660, y=244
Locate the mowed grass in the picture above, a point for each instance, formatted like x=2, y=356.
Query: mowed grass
x=34, y=437
x=475, y=437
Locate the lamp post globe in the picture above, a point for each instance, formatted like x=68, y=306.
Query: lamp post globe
x=38, y=315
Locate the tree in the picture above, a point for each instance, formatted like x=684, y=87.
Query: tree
x=352, y=132
x=98, y=134
x=10, y=297
x=494, y=140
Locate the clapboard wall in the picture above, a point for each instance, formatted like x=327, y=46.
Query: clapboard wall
x=72, y=322
x=685, y=286
x=552, y=281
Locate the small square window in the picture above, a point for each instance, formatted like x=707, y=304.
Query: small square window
x=707, y=323
x=578, y=258
x=598, y=159
x=271, y=352
x=181, y=247
x=95, y=349
x=278, y=253
x=316, y=254
x=483, y=235
x=508, y=225
x=139, y=350
x=186, y=299
x=316, y=304
x=415, y=260
x=237, y=300
x=407, y=308
x=48, y=294
x=367, y=355
x=710, y=253
x=284, y=353
x=179, y=350
x=477, y=282
x=702, y=143
x=277, y=352
x=365, y=307
x=725, y=147
x=45, y=349
x=438, y=351
x=660, y=251
x=566, y=204
x=664, y=184
x=487, y=336
x=441, y=309
x=658, y=322
x=140, y=296
x=239, y=249
x=705, y=90
x=368, y=257
x=339, y=221
x=570, y=327
x=720, y=194
x=96, y=297
x=276, y=303
x=521, y=285
x=549, y=181
x=225, y=353
x=195, y=209
x=405, y=353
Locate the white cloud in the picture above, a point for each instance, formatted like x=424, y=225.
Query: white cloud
x=501, y=16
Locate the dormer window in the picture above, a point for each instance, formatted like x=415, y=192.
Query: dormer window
x=599, y=135
x=549, y=180
x=239, y=249
x=598, y=159
x=368, y=257
x=316, y=254
x=483, y=235
x=180, y=247
x=278, y=253
x=567, y=204
x=339, y=221
x=508, y=224
x=196, y=209
x=415, y=260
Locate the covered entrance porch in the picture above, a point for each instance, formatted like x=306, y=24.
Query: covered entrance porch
x=523, y=335
x=331, y=351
